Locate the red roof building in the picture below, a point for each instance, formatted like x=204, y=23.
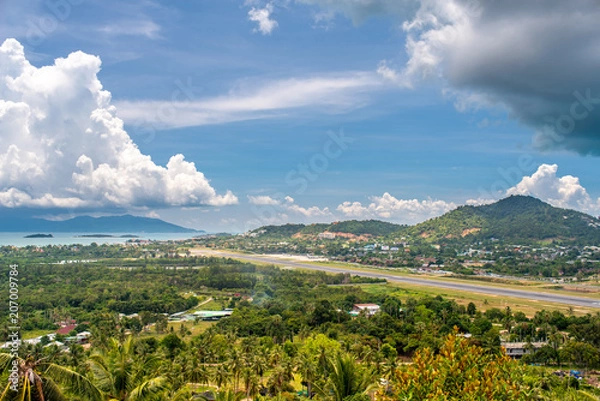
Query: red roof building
x=66, y=329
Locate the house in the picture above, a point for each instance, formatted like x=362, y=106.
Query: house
x=71, y=340
x=83, y=337
x=64, y=330
x=516, y=350
x=212, y=315
x=57, y=344
x=326, y=235
x=368, y=309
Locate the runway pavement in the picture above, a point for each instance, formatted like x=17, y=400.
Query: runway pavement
x=476, y=288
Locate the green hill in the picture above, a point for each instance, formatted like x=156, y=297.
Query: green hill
x=287, y=230
x=517, y=218
x=373, y=228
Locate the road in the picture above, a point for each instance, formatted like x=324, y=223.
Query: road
x=477, y=288
x=204, y=302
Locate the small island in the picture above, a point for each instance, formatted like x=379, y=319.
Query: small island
x=39, y=236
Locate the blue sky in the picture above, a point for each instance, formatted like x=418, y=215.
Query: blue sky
x=441, y=103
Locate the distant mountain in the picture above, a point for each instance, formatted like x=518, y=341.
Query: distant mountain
x=517, y=218
x=372, y=228
x=87, y=224
x=521, y=218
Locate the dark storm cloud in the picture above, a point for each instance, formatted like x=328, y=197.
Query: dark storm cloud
x=538, y=59
x=542, y=60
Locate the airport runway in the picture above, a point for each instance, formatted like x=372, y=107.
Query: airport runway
x=477, y=288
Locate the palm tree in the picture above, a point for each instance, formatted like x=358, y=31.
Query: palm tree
x=556, y=339
x=125, y=376
x=261, y=360
x=221, y=375
x=389, y=355
x=276, y=355
x=183, y=394
x=346, y=379
x=306, y=365
x=235, y=366
x=279, y=379
x=227, y=395
x=196, y=372
x=39, y=380
x=251, y=381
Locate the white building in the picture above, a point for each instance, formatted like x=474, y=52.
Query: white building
x=516, y=350
x=368, y=309
x=326, y=235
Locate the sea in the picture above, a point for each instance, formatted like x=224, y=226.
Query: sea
x=19, y=240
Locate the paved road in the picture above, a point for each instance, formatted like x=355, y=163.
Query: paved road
x=482, y=289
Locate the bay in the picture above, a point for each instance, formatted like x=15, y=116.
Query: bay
x=19, y=240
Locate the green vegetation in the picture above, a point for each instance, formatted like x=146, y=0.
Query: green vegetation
x=367, y=227
x=518, y=218
x=521, y=219
x=517, y=236
x=290, y=336
x=461, y=372
x=373, y=228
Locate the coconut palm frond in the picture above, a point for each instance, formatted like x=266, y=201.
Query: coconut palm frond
x=52, y=391
x=101, y=371
x=229, y=395
x=588, y=396
x=183, y=394
x=4, y=396
x=148, y=389
x=75, y=382
x=347, y=378
x=5, y=361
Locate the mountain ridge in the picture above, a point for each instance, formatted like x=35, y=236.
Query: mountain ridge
x=87, y=224
x=518, y=217
x=354, y=227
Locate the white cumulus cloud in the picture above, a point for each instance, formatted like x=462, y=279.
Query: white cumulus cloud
x=288, y=205
x=63, y=146
x=263, y=17
x=564, y=192
x=262, y=200
x=390, y=208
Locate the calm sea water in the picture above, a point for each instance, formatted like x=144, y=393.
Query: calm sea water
x=17, y=239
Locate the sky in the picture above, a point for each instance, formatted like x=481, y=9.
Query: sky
x=228, y=115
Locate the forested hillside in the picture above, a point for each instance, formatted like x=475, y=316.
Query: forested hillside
x=373, y=228
x=517, y=218
x=522, y=219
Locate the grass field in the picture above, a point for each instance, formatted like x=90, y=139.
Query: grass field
x=193, y=327
x=26, y=335
x=587, y=290
x=481, y=301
